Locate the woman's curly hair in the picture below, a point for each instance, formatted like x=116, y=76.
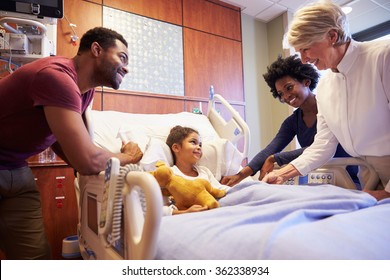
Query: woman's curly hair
x=290, y=66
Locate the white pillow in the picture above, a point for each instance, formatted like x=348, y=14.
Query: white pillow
x=135, y=136
x=108, y=124
x=141, y=134
x=156, y=150
x=221, y=157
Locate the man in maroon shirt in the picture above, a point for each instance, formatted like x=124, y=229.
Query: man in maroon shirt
x=41, y=106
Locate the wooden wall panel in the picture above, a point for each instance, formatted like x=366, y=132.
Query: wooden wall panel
x=97, y=100
x=212, y=18
x=190, y=105
x=85, y=15
x=212, y=60
x=163, y=10
x=224, y=4
x=138, y=104
x=210, y=57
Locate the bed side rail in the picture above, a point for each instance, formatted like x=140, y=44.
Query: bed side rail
x=234, y=129
x=139, y=225
x=343, y=162
x=334, y=172
x=142, y=220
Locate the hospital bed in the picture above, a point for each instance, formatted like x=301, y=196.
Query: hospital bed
x=120, y=210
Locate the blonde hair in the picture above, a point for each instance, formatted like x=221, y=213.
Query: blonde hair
x=313, y=22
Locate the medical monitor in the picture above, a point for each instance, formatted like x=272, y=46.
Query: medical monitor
x=39, y=8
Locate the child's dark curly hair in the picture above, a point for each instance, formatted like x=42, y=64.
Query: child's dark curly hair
x=177, y=135
x=290, y=66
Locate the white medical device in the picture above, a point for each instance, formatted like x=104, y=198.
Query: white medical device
x=28, y=29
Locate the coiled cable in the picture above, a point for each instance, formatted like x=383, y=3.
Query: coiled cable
x=118, y=202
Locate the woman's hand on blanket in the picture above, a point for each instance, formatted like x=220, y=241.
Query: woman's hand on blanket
x=273, y=178
x=133, y=150
x=237, y=178
x=193, y=208
x=267, y=167
x=231, y=180
x=281, y=175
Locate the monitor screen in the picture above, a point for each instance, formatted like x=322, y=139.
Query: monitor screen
x=40, y=8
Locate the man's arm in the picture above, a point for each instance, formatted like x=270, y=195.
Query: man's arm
x=78, y=149
x=57, y=149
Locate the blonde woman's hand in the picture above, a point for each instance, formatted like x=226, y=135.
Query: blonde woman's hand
x=273, y=178
x=281, y=175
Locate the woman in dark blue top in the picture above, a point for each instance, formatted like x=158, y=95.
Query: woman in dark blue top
x=292, y=82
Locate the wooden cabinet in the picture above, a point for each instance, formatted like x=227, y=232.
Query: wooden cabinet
x=59, y=206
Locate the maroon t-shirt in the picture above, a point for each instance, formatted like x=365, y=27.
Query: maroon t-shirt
x=24, y=131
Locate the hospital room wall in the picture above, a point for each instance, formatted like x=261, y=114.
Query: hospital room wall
x=237, y=77
x=212, y=51
x=262, y=43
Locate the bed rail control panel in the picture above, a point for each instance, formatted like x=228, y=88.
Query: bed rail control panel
x=334, y=173
x=321, y=178
x=313, y=178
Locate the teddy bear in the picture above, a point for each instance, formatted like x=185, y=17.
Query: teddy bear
x=186, y=192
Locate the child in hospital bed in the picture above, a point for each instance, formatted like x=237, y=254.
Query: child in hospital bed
x=186, y=148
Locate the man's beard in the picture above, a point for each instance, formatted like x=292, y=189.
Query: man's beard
x=109, y=78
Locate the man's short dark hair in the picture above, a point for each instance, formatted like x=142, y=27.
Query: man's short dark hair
x=105, y=37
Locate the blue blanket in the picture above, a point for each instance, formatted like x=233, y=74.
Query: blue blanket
x=261, y=221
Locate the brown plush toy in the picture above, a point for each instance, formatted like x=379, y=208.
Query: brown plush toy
x=186, y=192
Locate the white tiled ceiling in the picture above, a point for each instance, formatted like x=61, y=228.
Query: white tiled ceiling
x=365, y=13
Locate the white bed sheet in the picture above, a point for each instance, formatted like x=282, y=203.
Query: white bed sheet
x=261, y=221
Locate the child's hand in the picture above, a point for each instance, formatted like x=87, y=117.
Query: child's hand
x=193, y=208
x=196, y=208
x=132, y=149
